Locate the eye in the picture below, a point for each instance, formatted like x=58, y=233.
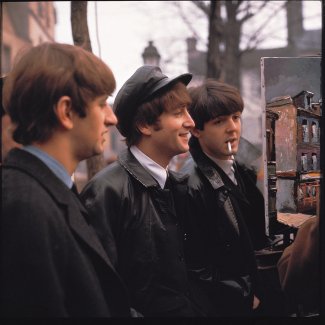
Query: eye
x=179, y=112
x=103, y=104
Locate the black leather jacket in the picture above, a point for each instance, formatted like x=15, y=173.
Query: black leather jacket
x=137, y=223
x=218, y=249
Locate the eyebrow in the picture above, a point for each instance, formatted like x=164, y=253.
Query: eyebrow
x=224, y=115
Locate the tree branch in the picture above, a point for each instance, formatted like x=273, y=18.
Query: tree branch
x=249, y=14
x=202, y=6
x=255, y=35
x=188, y=23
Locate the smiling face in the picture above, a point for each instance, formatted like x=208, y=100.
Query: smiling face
x=173, y=133
x=90, y=131
x=217, y=133
x=164, y=124
x=169, y=136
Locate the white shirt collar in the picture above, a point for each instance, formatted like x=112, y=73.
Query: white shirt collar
x=156, y=171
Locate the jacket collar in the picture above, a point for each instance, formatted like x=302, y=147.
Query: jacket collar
x=29, y=164
x=206, y=165
x=212, y=172
x=132, y=165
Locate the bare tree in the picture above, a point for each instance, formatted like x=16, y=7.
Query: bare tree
x=80, y=34
x=232, y=36
x=214, y=40
x=225, y=34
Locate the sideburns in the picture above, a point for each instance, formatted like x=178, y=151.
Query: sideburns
x=157, y=126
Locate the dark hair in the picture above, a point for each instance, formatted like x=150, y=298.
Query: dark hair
x=213, y=98
x=149, y=112
x=44, y=74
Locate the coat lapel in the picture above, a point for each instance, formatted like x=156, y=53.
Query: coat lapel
x=78, y=223
x=77, y=214
x=212, y=172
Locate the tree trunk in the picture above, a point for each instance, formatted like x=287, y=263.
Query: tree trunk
x=80, y=34
x=232, y=41
x=79, y=25
x=215, y=36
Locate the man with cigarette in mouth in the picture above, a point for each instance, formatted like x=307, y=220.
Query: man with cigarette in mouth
x=225, y=210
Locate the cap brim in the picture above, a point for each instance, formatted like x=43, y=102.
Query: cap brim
x=163, y=83
x=145, y=83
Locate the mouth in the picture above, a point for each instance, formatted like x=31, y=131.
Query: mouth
x=184, y=135
x=103, y=134
x=229, y=143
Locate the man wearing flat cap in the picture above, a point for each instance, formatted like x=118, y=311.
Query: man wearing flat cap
x=134, y=202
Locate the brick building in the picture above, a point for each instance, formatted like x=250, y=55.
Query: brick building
x=25, y=24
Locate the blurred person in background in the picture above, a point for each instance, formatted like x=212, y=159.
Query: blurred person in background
x=299, y=270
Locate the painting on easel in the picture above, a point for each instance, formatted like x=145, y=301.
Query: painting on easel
x=291, y=96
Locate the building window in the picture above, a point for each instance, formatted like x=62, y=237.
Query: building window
x=314, y=132
x=305, y=131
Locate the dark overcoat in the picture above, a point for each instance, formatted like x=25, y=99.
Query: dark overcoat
x=299, y=269
x=52, y=263
x=218, y=248
x=139, y=227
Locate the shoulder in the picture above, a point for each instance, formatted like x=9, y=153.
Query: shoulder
x=111, y=170
x=28, y=206
x=307, y=236
x=246, y=172
x=196, y=179
x=178, y=177
x=108, y=187
x=109, y=177
x=22, y=187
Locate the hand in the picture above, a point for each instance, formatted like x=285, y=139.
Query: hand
x=256, y=302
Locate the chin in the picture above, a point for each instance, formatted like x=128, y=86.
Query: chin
x=98, y=151
x=183, y=150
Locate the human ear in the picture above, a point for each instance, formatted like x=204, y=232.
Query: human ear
x=63, y=111
x=195, y=132
x=145, y=129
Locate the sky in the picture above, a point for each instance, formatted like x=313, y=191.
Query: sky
x=125, y=28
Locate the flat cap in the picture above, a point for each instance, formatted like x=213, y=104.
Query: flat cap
x=144, y=84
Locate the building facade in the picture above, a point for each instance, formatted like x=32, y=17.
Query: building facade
x=25, y=24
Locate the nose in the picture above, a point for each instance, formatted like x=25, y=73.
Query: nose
x=110, y=117
x=188, y=123
x=231, y=125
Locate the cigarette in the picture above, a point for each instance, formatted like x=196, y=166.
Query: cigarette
x=229, y=147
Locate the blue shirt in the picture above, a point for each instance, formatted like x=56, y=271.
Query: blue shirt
x=56, y=167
